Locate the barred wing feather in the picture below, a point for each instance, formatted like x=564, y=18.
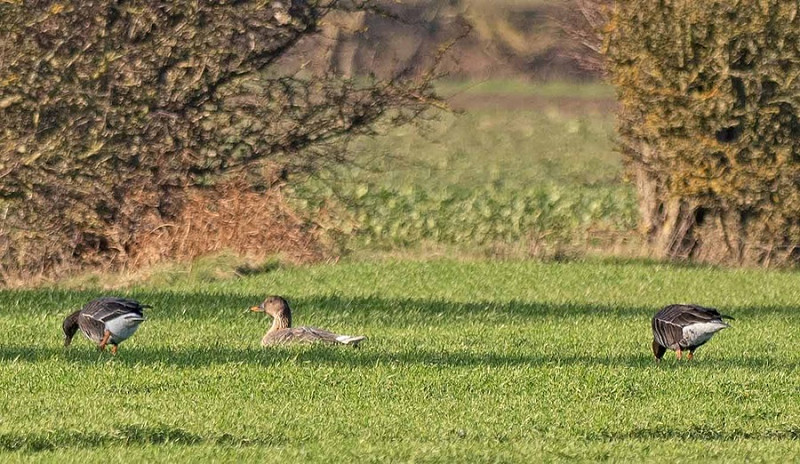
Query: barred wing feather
x=109, y=308
x=669, y=323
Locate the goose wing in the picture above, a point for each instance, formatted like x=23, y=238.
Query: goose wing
x=312, y=334
x=285, y=336
x=303, y=335
x=109, y=308
x=668, y=324
x=666, y=333
x=92, y=328
x=687, y=314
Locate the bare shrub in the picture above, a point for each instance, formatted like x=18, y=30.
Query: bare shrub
x=111, y=112
x=586, y=23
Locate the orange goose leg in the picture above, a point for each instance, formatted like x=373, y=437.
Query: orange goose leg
x=114, y=349
x=104, y=341
x=678, y=353
x=690, y=355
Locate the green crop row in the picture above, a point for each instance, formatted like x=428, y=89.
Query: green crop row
x=387, y=217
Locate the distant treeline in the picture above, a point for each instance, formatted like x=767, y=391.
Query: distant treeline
x=524, y=39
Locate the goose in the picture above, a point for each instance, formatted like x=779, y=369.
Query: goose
x=105, y=320
x=282, y=332
x=682, y=327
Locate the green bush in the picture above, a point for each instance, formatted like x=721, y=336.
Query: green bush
x=710, y=97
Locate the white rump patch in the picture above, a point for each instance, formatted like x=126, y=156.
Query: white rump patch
x=347, y=339
x=695, y=334
x=124, y=326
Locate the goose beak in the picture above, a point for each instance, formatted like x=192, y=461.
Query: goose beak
x=255, y=309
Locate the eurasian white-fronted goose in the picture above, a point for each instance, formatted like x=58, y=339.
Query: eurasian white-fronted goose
x=682, y=327
x=282, y=332
x=105, y=320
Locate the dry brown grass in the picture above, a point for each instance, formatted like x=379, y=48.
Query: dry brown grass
x=231, y=217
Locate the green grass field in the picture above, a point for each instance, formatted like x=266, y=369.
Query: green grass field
x=466, y=362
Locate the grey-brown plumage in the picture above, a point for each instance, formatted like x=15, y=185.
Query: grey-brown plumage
x=282, y=332
x=681, y=327
x=105, y=320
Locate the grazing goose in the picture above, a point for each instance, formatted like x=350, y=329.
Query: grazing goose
x=282, y=331
x=105, y=320
x=682, y=327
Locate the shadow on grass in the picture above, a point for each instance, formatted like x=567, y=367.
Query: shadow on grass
x=695, y=433
x=127, y=435
x=322, y=355
x=197, y=305
x=161, y=434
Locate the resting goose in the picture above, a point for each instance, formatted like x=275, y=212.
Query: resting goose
x=282, y=332
x=681, y=327
x=105, y=320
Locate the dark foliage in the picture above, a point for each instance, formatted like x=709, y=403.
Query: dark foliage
x=710, y=100
x=111, y=111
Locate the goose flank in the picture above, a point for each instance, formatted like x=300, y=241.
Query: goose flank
x=685, y=327
x=282, y=332
x=106, y=320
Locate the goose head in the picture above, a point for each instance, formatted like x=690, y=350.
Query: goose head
x=658, y=350
x=70, y=327
x=275, y=306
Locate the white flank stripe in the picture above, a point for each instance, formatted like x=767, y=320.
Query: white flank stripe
x=124, y=326
x=702, y=331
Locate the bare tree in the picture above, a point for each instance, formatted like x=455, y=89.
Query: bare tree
x=585, y=21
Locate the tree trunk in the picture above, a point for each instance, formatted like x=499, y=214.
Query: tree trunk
x=667, y=221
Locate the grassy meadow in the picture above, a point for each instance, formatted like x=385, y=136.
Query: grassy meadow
x=468, y=360
x=487, y=361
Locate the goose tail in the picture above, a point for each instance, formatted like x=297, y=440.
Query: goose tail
x=350, y=340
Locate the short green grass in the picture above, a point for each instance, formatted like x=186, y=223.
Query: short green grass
x=465, y=362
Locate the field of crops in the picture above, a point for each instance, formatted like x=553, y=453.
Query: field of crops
x=479, y=361
x=521, y=164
